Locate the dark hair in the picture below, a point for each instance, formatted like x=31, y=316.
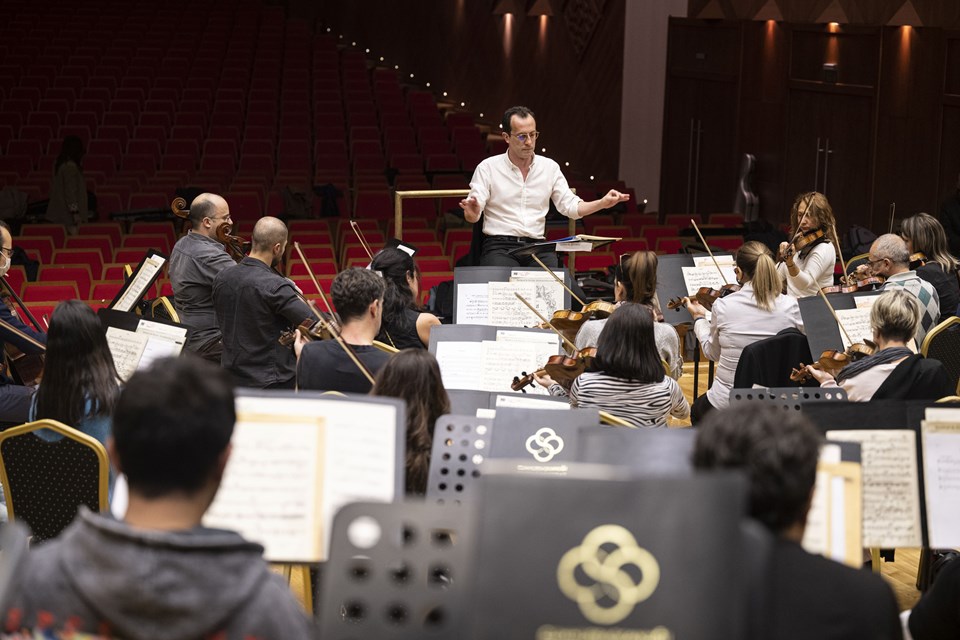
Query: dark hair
x=171, y=424
x=71, y=149
x=413, y=375
x=778, y=450
x=354, y=290
x=395, y=265
x=627, y=348
x=520, y=112
x=78, y=368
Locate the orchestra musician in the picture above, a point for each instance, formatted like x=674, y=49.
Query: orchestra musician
x=254, y=304
x=889, y=258
x=323, y=364
x=627, y=378
x=513, y=192
x=635, y=282
x=405, y=325
x=926, y=239
x=758, y=310
x=195, y=261
x=893, y=371
x=810, y=267
x=14, y=398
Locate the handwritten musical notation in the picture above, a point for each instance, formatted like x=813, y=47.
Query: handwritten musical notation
x=706, y=276
x=138, y=284
x=857, y=325
x=941, y=466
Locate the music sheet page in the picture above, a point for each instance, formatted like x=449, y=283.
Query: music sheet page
x=472, y=303
x=708, y=276
x=506, y=310
x=141, y=280
x=891, y=486
x=461, y=364
x=126, y=347
x=272, y=486
x=503, y=360
x=941, y=469
x=857, y=324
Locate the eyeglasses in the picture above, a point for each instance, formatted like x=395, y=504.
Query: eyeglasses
x=220, y=219
x=872, y=262
x=523, y=137
x=7, y=252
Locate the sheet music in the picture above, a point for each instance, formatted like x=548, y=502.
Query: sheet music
x=723, y=259
x=941, y=475
x=833, y=523
x=141, y=280
x=506, y=310
x=537, y=276
x=696, y=277
x=269, y=491
x=157, y=348
x=527, y=402
x=126, y=347
x=570, y=247
x=166, y=331
x=503, y=360
x=891, y=486
x=865, y=302
x=472, y=303
x=857, y=324
x=461, y=364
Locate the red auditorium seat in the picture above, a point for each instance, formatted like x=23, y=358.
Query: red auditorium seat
x=38, y=248
x=102, y=244
x=77, y=274
x=109, y=229
x=55, y=232
x=160, y=242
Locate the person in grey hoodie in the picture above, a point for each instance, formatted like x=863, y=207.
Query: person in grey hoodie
x=159, y=574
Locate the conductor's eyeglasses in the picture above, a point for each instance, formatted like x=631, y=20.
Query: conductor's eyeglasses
x=523, y=137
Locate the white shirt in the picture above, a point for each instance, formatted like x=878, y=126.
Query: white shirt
x=816, y=270
x=513, y=206
x=737, y=321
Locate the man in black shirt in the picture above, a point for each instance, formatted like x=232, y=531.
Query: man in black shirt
x=809, y=596
x=937, y=615
x=323, y=365
x=254, y=304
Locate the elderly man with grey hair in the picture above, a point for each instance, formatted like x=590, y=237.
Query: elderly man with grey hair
x=890, y=258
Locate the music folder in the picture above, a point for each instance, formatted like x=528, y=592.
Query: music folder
x=577, y=243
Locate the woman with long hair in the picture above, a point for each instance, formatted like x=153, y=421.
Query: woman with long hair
x=893, y=371
x=811, y=267
x=405, y=324
x=80, y=384
x=413, y=375
x=68, y=190
x=635, y=282
x=755, y=312
x=924, y=234
x=627, y=378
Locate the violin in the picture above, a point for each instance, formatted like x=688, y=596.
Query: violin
x=569, y=322
x=563, y=369
x=832, y=360
x=917, y=260
x=802, y=241
x=705, y=296
x=310, y=329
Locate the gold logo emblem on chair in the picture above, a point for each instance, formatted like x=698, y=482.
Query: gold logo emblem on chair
x=595, y=574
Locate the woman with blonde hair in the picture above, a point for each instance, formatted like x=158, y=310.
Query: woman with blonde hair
x=758, y=310
x=894, y=371
x=635, y=282
x=811, y=267
x=924, y=234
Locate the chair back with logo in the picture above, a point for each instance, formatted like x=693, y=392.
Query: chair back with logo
x=397, y=571
x=46, y=482
x=943, y=343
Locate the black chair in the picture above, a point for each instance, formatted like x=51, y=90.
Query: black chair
x=46, y=482
x=397, y=571
x=768, y=362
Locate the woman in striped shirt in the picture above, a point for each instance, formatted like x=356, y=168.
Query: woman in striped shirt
x=627, y=379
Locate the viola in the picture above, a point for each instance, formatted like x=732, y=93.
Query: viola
x=802, y=241
x=705, y=296
x=833, y=361
x=569, y=322
x=562, y=368
x=917, y=260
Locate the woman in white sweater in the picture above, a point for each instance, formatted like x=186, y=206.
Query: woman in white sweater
x=810, y=268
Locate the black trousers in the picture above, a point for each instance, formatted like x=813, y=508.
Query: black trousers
x=701, y=407
x=496, y=253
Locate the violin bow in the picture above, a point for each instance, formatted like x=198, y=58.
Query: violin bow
x=566, y=340
x=23, y=308
x=558, y=279
x=363, y=241
x=707, y=247
x=893, y=212
x=834, y=314
x=343, y=345
x=316, y=283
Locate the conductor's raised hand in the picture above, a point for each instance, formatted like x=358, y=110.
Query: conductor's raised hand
x=471, y=209
x=614, y=197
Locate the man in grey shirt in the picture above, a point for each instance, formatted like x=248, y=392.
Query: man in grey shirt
x=196, y=260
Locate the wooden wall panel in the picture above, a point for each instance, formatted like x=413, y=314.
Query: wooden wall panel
x=492, y=62
x=932, y=13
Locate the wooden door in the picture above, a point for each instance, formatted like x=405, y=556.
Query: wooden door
x=715, y=162
x=679, y=142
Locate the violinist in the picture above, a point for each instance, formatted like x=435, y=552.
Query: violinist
x=758, y=310
x=635, y=282
x=926, y=241
x=405, y=324
x=195, y=261
x=254, y=304
x=893, y=371
x=627, y=378
x=322, y=364
x=889, y=258
x=14, y=398
x=809, y=259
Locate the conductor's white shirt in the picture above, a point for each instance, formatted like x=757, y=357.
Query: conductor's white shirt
x=735, y=322
x=513, y=206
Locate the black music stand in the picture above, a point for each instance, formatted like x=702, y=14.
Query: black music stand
x=540, y=440
x=819, y=325
x=460, y=445
x=397, y=571
x=788, y=397
x=483, y=275
x=647, y=451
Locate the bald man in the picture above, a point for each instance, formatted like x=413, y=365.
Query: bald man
x=196, y=260
x=254, y=304
x=890, y=258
